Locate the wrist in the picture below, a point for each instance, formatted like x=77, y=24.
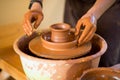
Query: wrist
x=91, y=16
x=35, y=4
x=92, y=12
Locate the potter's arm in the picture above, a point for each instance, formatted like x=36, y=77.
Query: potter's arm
x=33, y=15
x=100, y=7
x=89, y=20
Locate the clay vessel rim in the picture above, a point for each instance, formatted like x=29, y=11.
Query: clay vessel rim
x=102, y=69
x=59, y=43
x=56, y=53
x=61, y=26
x=108, y=70
x=67, y=50
x=76, y=60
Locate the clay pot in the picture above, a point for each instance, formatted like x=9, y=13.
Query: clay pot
x=60, y=32
x=58, y=43
x=40, y=68
x=101, y=74
x=61, y=37
x=43, y=46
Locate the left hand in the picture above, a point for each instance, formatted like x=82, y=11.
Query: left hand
x=32, y=16
x=89, y=24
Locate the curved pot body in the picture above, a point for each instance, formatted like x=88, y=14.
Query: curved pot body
x=102, y=74
x=38, y=68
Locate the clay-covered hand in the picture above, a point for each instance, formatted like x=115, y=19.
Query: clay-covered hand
x=89, y=24
x=32, y=19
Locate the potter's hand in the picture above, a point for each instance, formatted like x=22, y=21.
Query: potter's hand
x=31, y=16
x=89, y=24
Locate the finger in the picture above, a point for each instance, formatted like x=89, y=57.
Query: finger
x=26, y=30
x=38, y=21
x=27, y=27
x=28, y=19
x=90, y=35
x=24, y=27
x=85, y=33
x=78, y=26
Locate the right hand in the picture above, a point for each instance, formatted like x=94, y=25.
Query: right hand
x=89, y=23
x=31, y=16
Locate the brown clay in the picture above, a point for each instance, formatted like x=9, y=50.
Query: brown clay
x=59, y=43
x=39, y=50
x=57, y=46
x=60, y=32
x=101, y=74
x=38, y=68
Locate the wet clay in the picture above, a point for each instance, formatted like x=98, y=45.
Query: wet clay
x=59, y=43
x=60, y=33
x=101, y=74
x=42, y=68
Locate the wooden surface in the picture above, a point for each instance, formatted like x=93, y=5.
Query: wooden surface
x=9, y=60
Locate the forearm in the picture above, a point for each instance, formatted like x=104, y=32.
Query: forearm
x=100, y=7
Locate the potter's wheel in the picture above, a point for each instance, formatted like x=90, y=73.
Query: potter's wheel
x=43, y=46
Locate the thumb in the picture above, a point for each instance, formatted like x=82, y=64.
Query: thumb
x=38, y=21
